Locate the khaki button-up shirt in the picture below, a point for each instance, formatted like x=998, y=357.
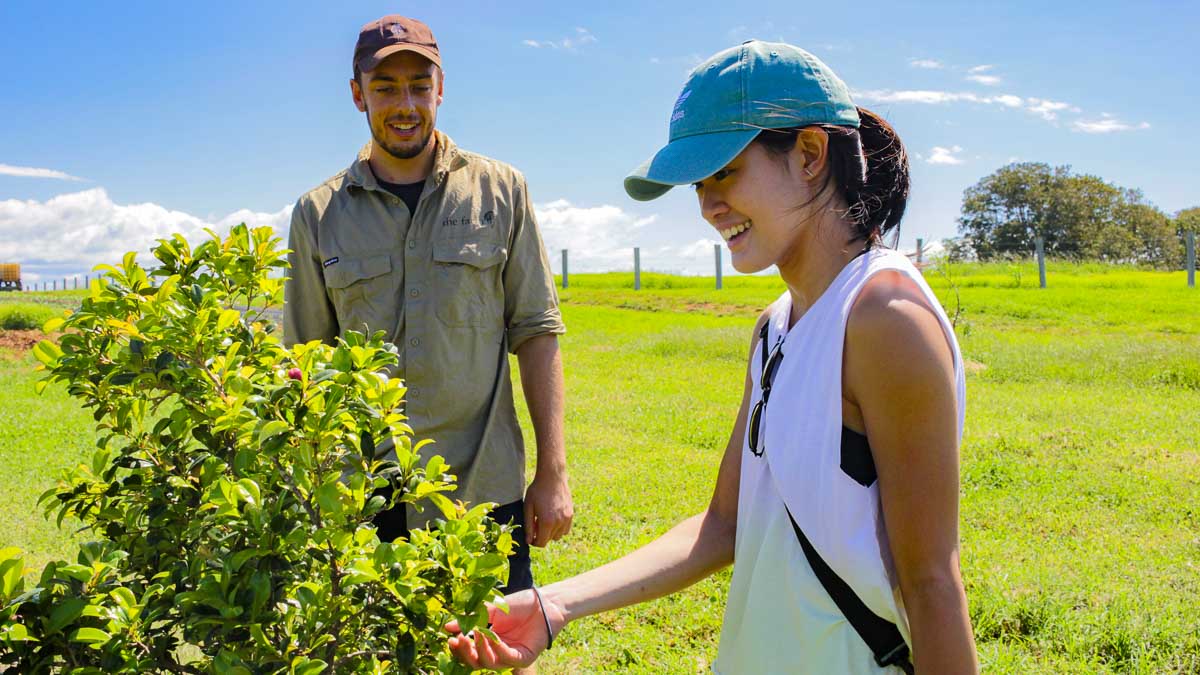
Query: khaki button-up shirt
x=455, y=285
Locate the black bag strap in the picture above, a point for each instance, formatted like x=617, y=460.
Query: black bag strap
x=881, y=635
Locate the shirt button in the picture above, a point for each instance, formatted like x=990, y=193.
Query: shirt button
x=414, y=293
x=415, y=342
x=412, y=244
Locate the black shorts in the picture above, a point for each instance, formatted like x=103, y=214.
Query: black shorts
x=393, y=524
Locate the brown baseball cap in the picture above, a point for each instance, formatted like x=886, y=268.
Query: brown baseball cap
x=390, y=34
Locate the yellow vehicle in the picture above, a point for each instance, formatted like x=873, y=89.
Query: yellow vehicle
x=10, y=277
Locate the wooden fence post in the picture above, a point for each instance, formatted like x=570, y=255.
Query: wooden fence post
x=1040, y=244
x=637, y=268
x=564, y=268
x=717, y=254
x=1191, y=259
x=920, y=250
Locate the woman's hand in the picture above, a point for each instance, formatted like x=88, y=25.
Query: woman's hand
x=522, y=634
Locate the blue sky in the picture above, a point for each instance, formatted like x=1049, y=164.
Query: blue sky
x=125, y=121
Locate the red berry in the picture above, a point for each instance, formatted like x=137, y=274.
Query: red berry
x=295, y=374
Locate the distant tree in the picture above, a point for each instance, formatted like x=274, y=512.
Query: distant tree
x=1077, y=215
x=958, y=249
x=1155, y=240
x=1187, y=220
x=1007, y=210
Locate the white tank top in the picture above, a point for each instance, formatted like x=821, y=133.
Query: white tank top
x=779, y=618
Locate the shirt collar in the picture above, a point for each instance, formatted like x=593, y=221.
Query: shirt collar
x=446, y=158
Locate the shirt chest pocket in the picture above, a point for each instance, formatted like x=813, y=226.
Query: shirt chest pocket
x=468, y=286
x=363, y=292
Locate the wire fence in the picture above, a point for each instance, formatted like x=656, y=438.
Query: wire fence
x=919, y=255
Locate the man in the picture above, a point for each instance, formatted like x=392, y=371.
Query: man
x=438, y=247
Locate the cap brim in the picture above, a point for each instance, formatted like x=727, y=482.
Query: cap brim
x=370, y=62
x=684, y=161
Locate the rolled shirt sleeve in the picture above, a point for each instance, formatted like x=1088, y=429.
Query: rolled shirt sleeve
x=530, y=299
x=307, y=312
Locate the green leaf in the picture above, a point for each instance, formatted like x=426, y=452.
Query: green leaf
x=328, y=497
x=260, y=637
x=77, y=572
x=47, y=352
x=16, y=632
x=227, y=663
x=227, y=319
x=436, y=466
x=90, y=637
x=240, y=558
x=444, y=505
x=66, y=612
x=250, y=492
x=11, y=569
x=302, y=666
x=124, y=597
x=272, y=428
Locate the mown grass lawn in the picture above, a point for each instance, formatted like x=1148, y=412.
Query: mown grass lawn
x=1080, y=473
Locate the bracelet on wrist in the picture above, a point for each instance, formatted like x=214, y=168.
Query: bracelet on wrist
x=545, y=617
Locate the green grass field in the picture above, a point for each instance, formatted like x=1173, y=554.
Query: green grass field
x=1080, y=472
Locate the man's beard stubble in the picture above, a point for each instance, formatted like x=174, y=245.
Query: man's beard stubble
x=399, y=152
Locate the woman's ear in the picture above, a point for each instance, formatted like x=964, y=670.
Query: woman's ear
x=810, y=156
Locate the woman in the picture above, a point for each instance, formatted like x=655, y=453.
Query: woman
x=838, y=493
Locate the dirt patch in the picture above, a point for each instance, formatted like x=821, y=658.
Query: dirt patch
x=973, y=367
x=14, y=343
x=717, y=309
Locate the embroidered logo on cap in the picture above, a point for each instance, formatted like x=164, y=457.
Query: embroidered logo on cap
x=678, y=114
x=329, y=262
x=397, y=31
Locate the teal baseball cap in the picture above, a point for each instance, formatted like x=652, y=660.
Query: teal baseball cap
x=727, y=100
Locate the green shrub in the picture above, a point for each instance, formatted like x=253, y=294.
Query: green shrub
x=25, y=316
x=231, y=493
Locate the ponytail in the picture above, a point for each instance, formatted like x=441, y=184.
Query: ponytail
x=879, y=202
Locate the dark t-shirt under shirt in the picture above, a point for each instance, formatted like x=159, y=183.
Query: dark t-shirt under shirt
x=409, y=192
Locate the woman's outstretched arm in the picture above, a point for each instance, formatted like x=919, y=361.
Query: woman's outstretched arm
x=687, y=553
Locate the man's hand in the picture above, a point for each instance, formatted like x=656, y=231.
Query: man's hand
x=548, y=506
x=548, y=509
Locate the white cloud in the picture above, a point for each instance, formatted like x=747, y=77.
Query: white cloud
x=1048, y=110
x=570, y=43
x=599, y=238
x=1107, y=124
x=33, y=172
x=1045, y=108
x=941, y=155
x=70, y=234
x=933, y=97
x=988, y=80
x=909, y=96
x=701, y=248
x=980, y=69
x=928, y=64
